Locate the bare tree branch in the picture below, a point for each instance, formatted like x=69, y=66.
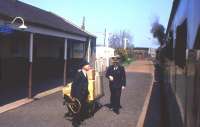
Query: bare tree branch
x=116, y=39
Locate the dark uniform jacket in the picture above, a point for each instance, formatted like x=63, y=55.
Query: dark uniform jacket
x=80, y=86
x=118, y=75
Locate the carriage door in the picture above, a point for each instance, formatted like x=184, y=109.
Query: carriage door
x=0, y=67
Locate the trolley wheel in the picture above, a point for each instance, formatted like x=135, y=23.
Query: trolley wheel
x=93, y=107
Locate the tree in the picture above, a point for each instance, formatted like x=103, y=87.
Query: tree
x=158, y=31
x=116, y=40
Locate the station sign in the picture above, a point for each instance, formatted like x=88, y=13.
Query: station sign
x=5, y=29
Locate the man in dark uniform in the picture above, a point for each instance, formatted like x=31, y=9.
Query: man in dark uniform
x=80, y=91
x=117, y=81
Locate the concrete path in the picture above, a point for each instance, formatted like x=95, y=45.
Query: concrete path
x=48, y=111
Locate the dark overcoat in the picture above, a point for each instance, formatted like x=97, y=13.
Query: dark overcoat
x=80, y=86
x=118, y=75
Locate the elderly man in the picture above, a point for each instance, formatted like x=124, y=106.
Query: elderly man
x=117, y=81
x=80, y=91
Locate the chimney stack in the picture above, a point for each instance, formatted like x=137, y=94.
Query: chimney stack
x=83, y=23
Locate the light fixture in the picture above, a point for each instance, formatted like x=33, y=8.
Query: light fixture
x=22, y=26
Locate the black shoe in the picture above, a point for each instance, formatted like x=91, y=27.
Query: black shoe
x=68, y=114
x=110, y=106
x=64, y=102
x=116, y=111
x=76, y=124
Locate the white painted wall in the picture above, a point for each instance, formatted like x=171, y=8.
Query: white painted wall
x=104, y=52
x=152, y=52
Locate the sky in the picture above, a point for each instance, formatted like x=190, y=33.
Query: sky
x=135, y=16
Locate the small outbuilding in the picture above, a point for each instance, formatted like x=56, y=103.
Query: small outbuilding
x=42, y=54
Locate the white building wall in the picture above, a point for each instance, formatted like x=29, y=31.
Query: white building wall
x=104, y=52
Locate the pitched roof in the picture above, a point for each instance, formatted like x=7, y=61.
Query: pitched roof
x=37, y=16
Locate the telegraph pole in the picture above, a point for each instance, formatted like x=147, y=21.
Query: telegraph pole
x=105, y=38
x=106, y=47
x=125, y=42
x=83, y=23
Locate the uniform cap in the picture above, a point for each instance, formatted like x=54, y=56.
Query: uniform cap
x=115, y=58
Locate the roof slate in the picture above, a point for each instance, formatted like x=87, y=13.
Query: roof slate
x=34, y=15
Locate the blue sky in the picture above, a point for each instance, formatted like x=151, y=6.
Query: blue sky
x=134, y=16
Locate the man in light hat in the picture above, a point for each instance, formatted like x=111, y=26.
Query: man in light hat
x=117, y=81
x=80, y=91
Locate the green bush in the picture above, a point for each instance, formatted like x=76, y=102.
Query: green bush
x=122, y=53
x=125, y=56
x=127, y=62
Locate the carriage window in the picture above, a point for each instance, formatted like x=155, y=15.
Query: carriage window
x=197, y=40
x=169, y=49
x=180, y=46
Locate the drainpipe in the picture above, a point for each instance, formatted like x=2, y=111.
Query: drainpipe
x=30, y=66
x=65, y=62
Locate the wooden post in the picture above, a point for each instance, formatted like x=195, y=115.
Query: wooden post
x=30, y=66
x=65, y=62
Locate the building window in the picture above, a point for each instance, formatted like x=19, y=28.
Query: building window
x=77, y=50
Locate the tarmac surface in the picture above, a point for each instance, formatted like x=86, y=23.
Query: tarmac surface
x=49, y=111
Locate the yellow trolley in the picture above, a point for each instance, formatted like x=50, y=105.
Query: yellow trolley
x=95, y=87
